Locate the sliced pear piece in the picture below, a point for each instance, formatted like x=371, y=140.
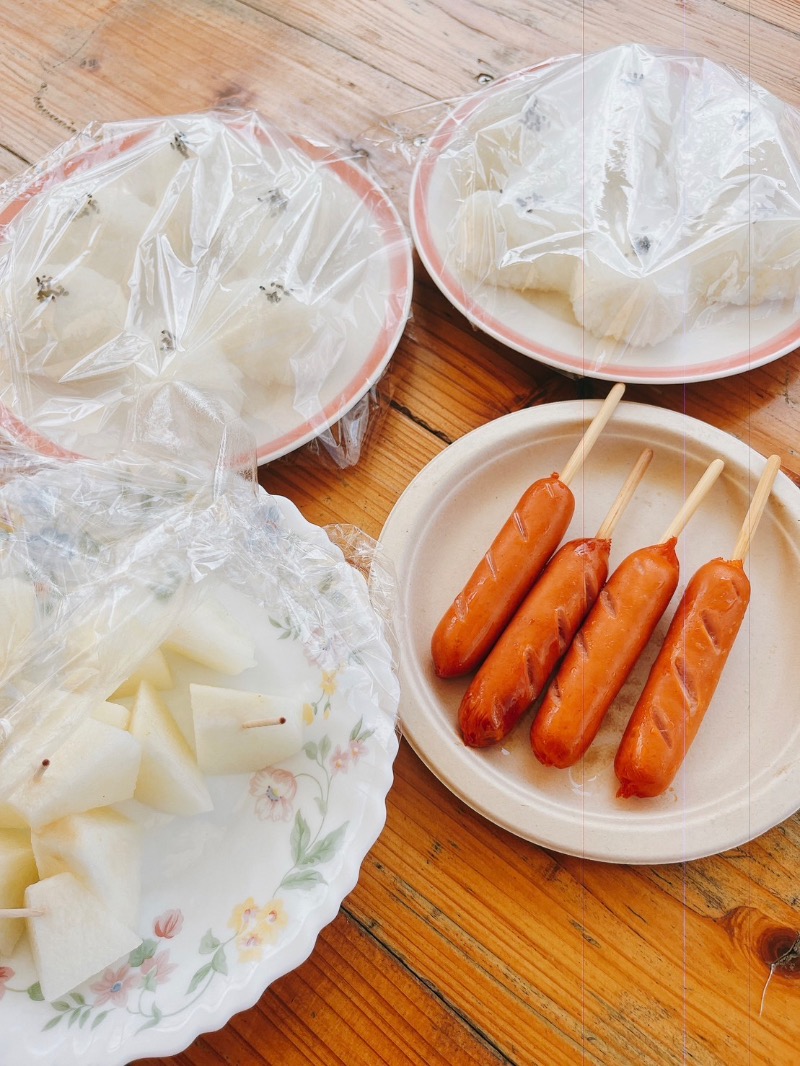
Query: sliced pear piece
x=169, y=779
x=11, y=818
x=103, y=849
x=225, y=738
x=153, y=668
x=211, y=636
x=97, y=766
x=112, y=714
x=18, y=617
x=17, y=871
x=73, y=935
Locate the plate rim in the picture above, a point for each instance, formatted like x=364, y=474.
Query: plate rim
x=416, y=730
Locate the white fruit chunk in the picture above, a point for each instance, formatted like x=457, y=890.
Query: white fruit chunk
x=98, y=765
x=153, y=668
x=17, y=871
x=169, y=779
x=11, y=818
x=211, y=636
x=224, y=746
x=17, y=618
x=75, y=936
x=103, y=849
x=112, y=714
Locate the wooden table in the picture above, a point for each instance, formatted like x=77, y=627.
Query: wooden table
x=427, y=961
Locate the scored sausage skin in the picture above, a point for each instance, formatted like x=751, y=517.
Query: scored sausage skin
x=603, y=653
x=683, y=679
x=518, y=667
x=500, y=581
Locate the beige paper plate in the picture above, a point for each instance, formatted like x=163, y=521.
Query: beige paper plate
x=742, y=775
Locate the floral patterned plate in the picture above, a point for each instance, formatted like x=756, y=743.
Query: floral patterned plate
x=234, y=899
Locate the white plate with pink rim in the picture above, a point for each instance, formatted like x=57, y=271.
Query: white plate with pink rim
x=366, y=306
x=742, y=775
x=236, y=898
x=542, y=325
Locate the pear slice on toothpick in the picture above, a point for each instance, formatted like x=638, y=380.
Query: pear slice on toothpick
x=112, y=714
x=73, y=935
x=169, y=779
x=153, y=669
x=229, y=739
x=10, y=818
x=17, y=871
x=18, y=617
x=98, y=765
x=211, y=636
x=103, y=849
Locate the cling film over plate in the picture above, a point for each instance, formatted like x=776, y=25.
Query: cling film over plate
x=100, y=560
x=212, y=249
x=633, y=195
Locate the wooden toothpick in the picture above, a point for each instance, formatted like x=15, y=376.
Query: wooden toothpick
x=693, y=501
x=625, y=495
x=40, y=771
x=756, y=509
x=589, y=439
x=20, y=912
x=258, y=722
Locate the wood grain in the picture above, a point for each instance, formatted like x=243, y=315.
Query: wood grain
x=301, y=1019
x=460, y=943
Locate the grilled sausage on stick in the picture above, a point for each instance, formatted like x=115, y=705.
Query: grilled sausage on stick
x=518, y=666
x=533, y=531
x=610, y=641
x=686, y=672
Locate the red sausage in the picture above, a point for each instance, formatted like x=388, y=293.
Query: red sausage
x=481, y=611
x=683, y=679
x=517, y=668
x=603, y=653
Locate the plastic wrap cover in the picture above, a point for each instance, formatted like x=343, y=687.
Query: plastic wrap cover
x=638, y=192
x=98, y=560
x=213, y=249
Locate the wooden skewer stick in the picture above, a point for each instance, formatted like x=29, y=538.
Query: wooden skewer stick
x=589, y=439
x=756, y=509
x=258, y=722
x=20, y=912
x=39, y=772
x=625, y=495
x=693, y=501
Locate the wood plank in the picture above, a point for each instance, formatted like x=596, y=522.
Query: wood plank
x=460, y=943
x=474, y=37
x=11, y=165
x=526, y=923
x=107, y=61
x=298, y=1021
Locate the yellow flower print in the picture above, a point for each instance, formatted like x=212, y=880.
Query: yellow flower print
x=329, y=682
x=257, y=927
x=244, y=915
x=308, y=713
x=276, y=918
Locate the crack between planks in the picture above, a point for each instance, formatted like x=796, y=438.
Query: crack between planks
x=403, y=410
x=759, y=18
x=12, y=151
x=464, y=1018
